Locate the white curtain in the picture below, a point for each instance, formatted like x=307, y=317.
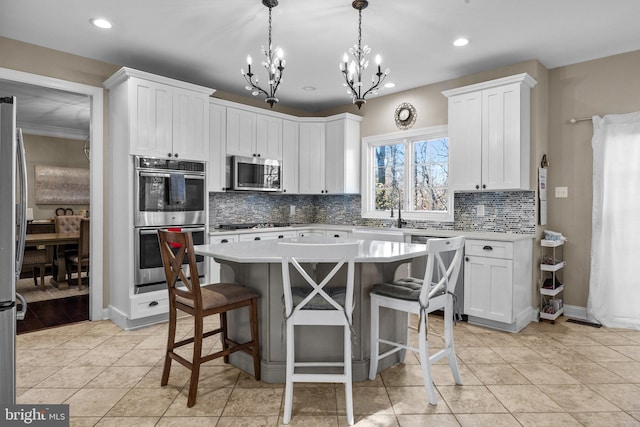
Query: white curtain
x=614, y=288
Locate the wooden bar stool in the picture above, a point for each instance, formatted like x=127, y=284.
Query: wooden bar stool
x=187, y=295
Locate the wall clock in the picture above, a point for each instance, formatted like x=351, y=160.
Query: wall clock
x=405, y=115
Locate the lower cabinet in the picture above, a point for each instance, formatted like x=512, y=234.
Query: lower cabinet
x=497, y=283
x=214, y=267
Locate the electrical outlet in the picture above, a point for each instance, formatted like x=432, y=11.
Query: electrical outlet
x=480, y=210
x=292, y=210
x=562, y=192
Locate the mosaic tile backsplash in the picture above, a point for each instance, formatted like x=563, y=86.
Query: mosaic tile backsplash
x=506, y=212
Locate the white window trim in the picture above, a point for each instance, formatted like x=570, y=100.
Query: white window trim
x=369, y=143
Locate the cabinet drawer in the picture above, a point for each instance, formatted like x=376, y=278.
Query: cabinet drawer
x=489, y=249
x=149, y=304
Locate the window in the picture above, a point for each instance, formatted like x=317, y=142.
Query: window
x=408, y=170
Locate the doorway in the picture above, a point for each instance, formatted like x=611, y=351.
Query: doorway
x=96, y=193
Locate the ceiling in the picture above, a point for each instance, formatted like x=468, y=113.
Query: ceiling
x=206, y=41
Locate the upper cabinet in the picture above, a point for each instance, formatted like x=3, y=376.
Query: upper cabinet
x=165, y=117
x=253, y=134
x=489, y=134
x=290, y=150
x=342, y=154
x=217, y=147
x=312, y=157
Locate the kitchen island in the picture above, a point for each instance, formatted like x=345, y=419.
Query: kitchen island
x=257, y=265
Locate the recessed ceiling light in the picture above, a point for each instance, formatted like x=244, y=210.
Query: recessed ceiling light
x=461, y=42
x=101, y=23
x=389, y=85
x=309, y=88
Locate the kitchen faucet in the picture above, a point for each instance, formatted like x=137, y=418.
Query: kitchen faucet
x=400, y=220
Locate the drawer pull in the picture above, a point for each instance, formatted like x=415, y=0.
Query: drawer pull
x=487, y=248
x=224, y=241
x=153, y=303
x=256, y=238
x=281, y=237
x=466, y=259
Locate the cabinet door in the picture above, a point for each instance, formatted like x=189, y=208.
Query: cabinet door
x=190, y=125
x=217, y=148
x=268, y=137
x=488, y=288
x=342, y=156
x=151, y=118
x=502, y=139
x=312, y=163
x=290, y=138
x=465, y=141
x=215, y=268
x=241, y=132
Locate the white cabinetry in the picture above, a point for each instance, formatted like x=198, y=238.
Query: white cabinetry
x=152, y=116
x=214, y=267
x=312, y=157
x=290, y=150
x=164, y=117
x=253, y=134
x=342, y=154
x=266, y=235
x=489, y=134
x=217, y=147
x=551, y=306
x=497, y=283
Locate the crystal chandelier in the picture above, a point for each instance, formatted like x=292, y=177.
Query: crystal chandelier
x=274, y=64
x=353, y=71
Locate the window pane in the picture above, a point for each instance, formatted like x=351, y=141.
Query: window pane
x=389, y=175
x=430, y=175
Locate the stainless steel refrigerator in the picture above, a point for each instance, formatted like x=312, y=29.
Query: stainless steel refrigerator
x=13, y=207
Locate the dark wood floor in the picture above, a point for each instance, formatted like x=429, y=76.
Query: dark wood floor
x=55, y=312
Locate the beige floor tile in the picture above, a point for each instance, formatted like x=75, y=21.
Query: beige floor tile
x=499, y=340
x=315, y=399
x=483, y=420
x=29, y=376
x=572, y=338
x=592, y=373
x=601, y=353
x=539, y=341
x=624, y=396
x=561, y=355
x=635, y=414
x=442, y=375
x=413, y=400
x=402, y=375
x=218, y=376
x=191, y=422
x=100, y=356
x=257, y=401
x=126, y=342
x=545, y=374
x=577, y=398
x=44, y=396
x=158, y=342
x=178, y=377
x=144, y=403
x=41, y=341
x=630, y=371
x=610, y=338
x=471, y=399
x=83, y=421
x=210, y=402
x=553, y=419
x=497, y=373
x=93, y=402
x=632, y=351
x=632, y=335
x=470, y=355
x=258, y=421
x=119, y=377
x=84, y=342
x=440, y=420
x=247, y=380
x=104, y=327
x=466, y=340
x=127, y=421
x=312, y=420
x=375, y=420
x=521, y=354
x=598, y=419
x=71, y=377
x=366, y=400
x=524, y=398
x=140, y=358
x=56, y=357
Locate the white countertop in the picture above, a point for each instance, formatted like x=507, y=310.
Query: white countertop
x=266, y=251
x=478, y=235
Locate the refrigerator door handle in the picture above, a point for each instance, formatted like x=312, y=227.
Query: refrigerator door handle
x=23, y=311
x=21, y=214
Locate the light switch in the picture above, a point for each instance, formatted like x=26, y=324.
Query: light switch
x=480, y=210
x=562, y=192
x=292, y=210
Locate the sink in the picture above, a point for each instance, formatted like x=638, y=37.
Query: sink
x=389, y=235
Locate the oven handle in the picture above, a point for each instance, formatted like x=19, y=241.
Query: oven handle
x=146, y=232
x=166, y=175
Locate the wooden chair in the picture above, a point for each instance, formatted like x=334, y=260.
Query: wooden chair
x=201, y=301
x=37, y=260
x=320, y=305
x=421, y=297
x=80, y=258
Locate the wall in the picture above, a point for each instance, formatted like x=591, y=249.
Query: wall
x=42, y=150
x=603, y=86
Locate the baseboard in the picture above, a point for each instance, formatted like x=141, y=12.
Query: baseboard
x=123, y=321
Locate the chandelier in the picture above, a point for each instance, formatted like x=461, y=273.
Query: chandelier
x=274, y=64
x=353, y=71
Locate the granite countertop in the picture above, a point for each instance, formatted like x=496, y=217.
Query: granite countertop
x=430, y=232
x=266, y=251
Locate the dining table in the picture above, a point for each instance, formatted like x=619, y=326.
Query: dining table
x=57, y=240
x=257, y=265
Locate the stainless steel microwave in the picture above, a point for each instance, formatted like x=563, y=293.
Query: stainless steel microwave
x=253, y=174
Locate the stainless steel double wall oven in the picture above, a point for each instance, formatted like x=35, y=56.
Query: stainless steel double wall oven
x=169, y=193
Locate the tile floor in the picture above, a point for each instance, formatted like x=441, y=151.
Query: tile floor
x=548, y=375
